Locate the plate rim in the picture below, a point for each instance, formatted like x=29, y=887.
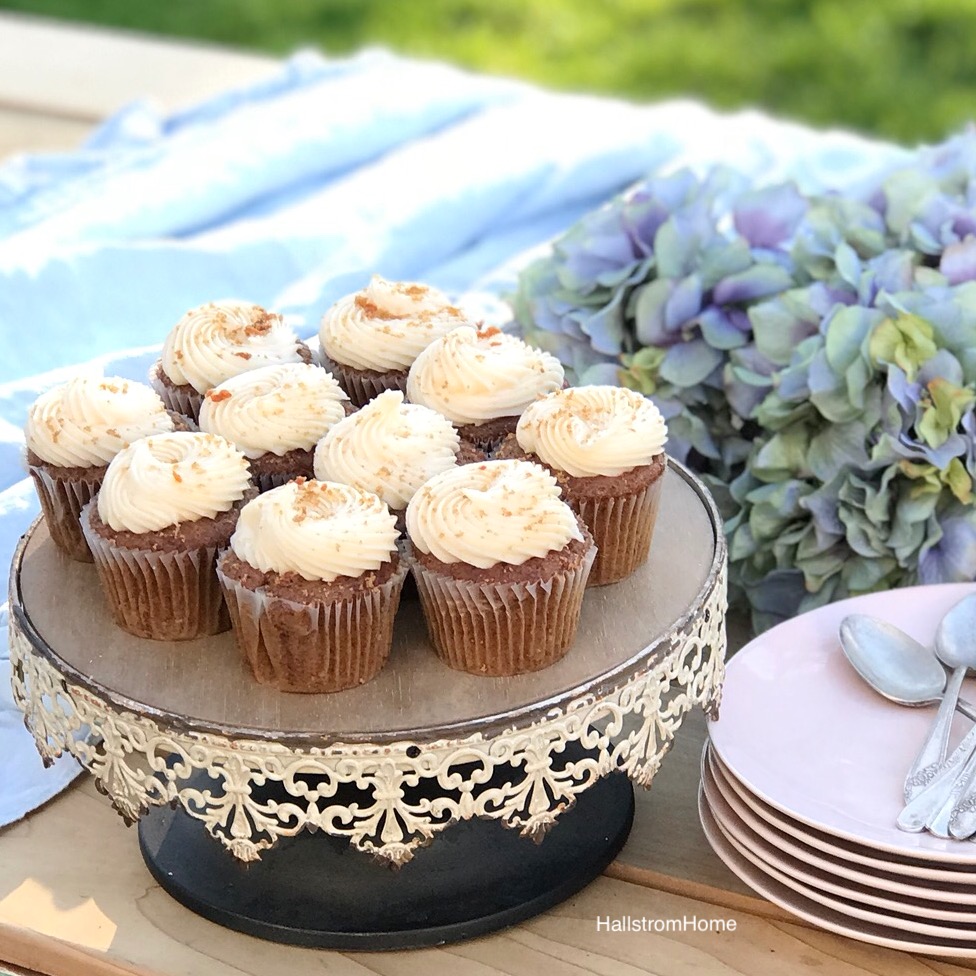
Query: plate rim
x=830, y=609
x=807, y=909
x=779, y=820
x=782, y=860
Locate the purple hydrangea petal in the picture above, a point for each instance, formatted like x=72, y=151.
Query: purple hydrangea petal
x=757, y=282
x=768, y=217
x=684, y=302
x=720, y=329
x=690, y=363
x=953, y=558
x=958, y=262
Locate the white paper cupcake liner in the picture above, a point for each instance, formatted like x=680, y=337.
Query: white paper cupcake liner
x=183, y=399
x=159, y=595
x=62, y=500
x=502, y=628
x=621, y=528
x=314, y=647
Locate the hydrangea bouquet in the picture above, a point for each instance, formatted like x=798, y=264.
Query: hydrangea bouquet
x=815, y=358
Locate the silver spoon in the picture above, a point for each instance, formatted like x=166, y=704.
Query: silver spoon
x=895, y=665
x=940, y=794
x=936, y=787
x=955, y=646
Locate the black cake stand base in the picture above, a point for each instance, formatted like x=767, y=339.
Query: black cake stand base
x=314, y=890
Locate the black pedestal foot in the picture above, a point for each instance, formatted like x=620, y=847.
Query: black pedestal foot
x=314, y=890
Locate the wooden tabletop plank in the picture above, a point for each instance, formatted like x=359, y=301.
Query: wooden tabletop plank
x=76, y=898
x=22, y=130
x=72, y=71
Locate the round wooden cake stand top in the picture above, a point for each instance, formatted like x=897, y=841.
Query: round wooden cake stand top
x=390, y=765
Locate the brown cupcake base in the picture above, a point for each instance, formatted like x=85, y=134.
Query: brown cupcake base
x=620, y=511
x=163, y=585
x=487, y=436
x=273, y=470
x=328, y=638
x=63, y=493
x=513, y=619
x=170, y=595
x=362, y=385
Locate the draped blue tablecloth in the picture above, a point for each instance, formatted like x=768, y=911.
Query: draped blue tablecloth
x=290, y=193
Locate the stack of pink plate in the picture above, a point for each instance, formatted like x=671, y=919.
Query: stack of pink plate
x=802, y=782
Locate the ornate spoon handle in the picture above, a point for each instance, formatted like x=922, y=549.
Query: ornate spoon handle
x=928, y=800
x=932, y=754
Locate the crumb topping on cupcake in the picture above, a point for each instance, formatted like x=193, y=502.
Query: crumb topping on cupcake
x=167, y=479
x=490, y=513
x=474, y=375
x=274, y=409
x=218, y=340
x=88, y=420
x=320, y=530
x=385, y=326
x=388, y=447
x=588, y=431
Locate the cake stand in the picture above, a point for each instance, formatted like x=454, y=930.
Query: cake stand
x=375, y=818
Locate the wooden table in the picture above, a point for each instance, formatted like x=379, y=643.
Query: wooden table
x=75, y=897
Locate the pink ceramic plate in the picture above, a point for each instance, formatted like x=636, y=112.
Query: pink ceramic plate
x=801, y=730
x=822, y=915
x=836, y=849
x=927, y=901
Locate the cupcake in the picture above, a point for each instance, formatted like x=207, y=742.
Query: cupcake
x=501, y=564
x=216, y=341
x=167, y=505
x=391, y=448
x=72, y=433
x=482, y=380
x=275, y=415
x=313, y=579
x=605, y=446
x=372, y=337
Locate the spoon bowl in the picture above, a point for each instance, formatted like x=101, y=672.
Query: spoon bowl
x=955, y=640
x=894, y=664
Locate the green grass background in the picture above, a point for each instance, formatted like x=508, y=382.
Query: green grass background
x=903, y=69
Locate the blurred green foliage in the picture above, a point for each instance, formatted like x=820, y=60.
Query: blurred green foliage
x=902, y=69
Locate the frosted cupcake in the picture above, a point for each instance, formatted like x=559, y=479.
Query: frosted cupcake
x=482, y=380
x=216, y=341
x=372, y=337
x=501, y=564
x=275, y=415
x=391, y=448
x=73, y=431
x=313, y=579
x=605, y=446
x=167, y=505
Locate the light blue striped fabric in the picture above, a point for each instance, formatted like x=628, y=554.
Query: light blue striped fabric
x=292, y=192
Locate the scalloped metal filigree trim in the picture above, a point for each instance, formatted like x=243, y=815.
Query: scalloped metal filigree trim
x=387, y=800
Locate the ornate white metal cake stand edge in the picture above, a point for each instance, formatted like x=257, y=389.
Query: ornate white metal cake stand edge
x=406, y=792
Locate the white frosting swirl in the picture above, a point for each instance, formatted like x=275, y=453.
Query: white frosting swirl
x=219, y=340
x=471, y=377
x=274, y=409
x=318, y=529
x=388, y=447
x=593, y=430
x=88, y=420
x=386, y=325
x=172, y=478
x=496, y=512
